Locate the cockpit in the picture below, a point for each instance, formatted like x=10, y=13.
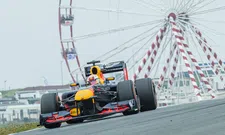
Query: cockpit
x=111, y=73
x=100, y=75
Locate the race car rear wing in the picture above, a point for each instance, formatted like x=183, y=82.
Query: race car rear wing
x=111, y=67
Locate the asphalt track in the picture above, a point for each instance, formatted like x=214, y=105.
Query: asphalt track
x=202, y=118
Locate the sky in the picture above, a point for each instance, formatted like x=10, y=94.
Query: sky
x=30, y=45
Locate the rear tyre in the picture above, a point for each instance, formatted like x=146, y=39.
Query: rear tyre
x=146, y=91
x=126, y=91
x=49, y=104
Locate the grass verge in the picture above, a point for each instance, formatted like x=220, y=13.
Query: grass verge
x=15, y=128
x=9, y=93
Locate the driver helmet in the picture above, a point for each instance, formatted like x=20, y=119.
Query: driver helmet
x=93, y=79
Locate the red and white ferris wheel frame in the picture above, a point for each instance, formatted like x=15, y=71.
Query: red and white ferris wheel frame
x=180, y=49
x=72, y=41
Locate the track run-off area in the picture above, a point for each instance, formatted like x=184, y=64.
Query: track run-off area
x=200, y=118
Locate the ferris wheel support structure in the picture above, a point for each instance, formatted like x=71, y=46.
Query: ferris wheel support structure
x=207, y=50
x=179, y=40
x=166, y=67
x=151, y=49
x=155, y=48
x=197, y=67
x=174, y=68
x=202, y=76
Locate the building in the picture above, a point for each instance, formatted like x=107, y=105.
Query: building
x=19, y=113
x=25, y=105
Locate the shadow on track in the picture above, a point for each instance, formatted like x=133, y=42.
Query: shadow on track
x=94, y=119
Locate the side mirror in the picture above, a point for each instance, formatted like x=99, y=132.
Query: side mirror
x=110, y=78
x=74, y=84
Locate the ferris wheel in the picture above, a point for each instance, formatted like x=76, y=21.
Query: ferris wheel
x=164, y=39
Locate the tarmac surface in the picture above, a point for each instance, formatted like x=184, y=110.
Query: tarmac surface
x=201, y=118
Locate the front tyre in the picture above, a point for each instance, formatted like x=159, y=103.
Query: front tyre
x=126, y=91
x=49, y=104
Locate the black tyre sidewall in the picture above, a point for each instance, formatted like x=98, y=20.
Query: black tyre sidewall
x=146, y=92
x=126, y=91
x=50, y=104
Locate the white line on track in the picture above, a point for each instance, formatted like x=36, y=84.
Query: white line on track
x=26, y=131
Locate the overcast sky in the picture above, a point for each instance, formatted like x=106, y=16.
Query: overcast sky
x=30, y=45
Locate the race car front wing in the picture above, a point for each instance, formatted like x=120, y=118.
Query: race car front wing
x=110, y=108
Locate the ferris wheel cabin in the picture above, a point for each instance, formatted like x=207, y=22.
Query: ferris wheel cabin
x=67, y=20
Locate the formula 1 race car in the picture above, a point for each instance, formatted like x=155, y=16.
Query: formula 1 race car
x=94, y=100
